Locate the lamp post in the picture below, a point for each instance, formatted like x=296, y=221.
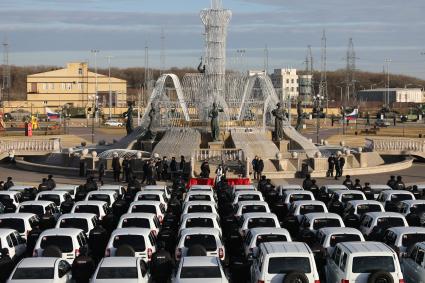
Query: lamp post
x=109, y=81
x=95, y=51
x=318, y=105
x=388, y=61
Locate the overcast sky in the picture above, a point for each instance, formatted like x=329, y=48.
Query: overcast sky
x=52, y=32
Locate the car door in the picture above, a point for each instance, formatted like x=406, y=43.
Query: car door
x=408, y=266
x=418, y=270
x=22, y=245
x=332, y=266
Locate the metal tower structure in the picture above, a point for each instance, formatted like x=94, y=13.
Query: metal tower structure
x=309, y=71
x=162, y=54
x=6, y=81
x=350, y=79
x=323, y=87
x=266, y=60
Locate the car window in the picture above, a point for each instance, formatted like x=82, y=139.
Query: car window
x=199, y=208
x=261, y=222
x=304, y=209
x=368, y=264
x=100, y=197
x=14, y=239
x=19, y=238
x=248, y=197
x=413, y=253
x=364, y=208
x=50, y=197
x=137, y=242
x=295, y=197
x=270, y=238
x=253, y=208
x=208, y=241
x=336, y=256
x=9, y=241
x=94, y=209
x=340, y=238
x=400, y=197
x=409, y=240
x=283, y=265
x=390, y=238
x=420, y=257
x=144, y=208
x=64, y=243
x=136, y=222
x=326, y=222
x=152, y=239
x=199, y=222
x=390, y=222
x=200, y=272
x=117, y=273
x=199, y=197
x=343, y=262
x=63, y=268
x=78, y=223
x=34, y=209
x=162, y=208
x=152, y=197
x=33, y=273
x=248, y=238
x=156, y=221
x=13, y=223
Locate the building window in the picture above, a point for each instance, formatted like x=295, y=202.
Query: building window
x=52, y=86
x=292, y=89
x=80, y=71
x=292, y=81
x=287, y=81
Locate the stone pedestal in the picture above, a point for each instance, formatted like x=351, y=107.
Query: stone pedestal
x=147, y=145
x=320, y=164
x=217, y=145
x=282, y=145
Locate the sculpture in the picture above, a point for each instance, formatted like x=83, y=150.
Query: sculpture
x=215, y=126
x=129, y=115
x=280, y=116
x=300, y=115
x=151, y=117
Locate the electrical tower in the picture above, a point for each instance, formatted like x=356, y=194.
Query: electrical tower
x=6, y=81
x=309, y=86
x=162, y=55
x=350, y=79
x=323, y=87
x=148, y=75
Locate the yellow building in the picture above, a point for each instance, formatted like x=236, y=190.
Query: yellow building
x=74, y=85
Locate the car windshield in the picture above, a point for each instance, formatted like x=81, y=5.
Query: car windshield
x=200, y=197
x=365, y=208
x=348, y=197
x=117, y=273
x=28, y=273
x=420, y=208
x=296, y=197
x=339, y=238
x=149, y=197
x=326, y=222
x=199, y=222
x=253, y=208
x=390, y=222
x=136, y=222
x=270, y=238
x=64, y=243
x=35, y=209
x=207, y=241
x=78, y=223
x=144, y=208
x=400, y=197
x=50, y=197
x=368, y=264
x=248, y=197
x=94, y=209
x=261, y=222
x=409, y=240
x=13, y=223
x=137, y=242
x=199, y=208
x=283, y=265
x=200, y=272
x=304, y=209
x=100, y=197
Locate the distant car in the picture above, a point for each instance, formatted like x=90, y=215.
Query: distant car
x=114, y=123
x=382, y=123
x=200, y=269
x=128, y=269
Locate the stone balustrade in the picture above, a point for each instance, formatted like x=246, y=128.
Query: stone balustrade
x=22, y=146
x=219, y=154
x=396, y=145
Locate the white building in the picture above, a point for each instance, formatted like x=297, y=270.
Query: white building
x=305, y=84
x=393, y=95
x=285, y=82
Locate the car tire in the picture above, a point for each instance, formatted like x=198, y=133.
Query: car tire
x=295, y=277
x=52, y=251
x=380, y=276
x=197, y=250
x=125, y=250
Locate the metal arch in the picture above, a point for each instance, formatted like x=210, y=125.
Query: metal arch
x=159, y=90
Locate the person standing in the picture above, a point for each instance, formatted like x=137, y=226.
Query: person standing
x=182, y=164
x=307, y=183
x=205, y=170
x=348, y=182
x=399, y=185
x=164, y=168
x=43, y=186
x=260, y=168
x=101, y=171
x=9, y=183
x=337, y=167
x=341, y=165
x=50, y=182
x=219, y=174
x=391, y=182
x=331, y=166
x=125, y=169
x=158, y=168
x=116, y=167
x=254, y=166
x=162, y=264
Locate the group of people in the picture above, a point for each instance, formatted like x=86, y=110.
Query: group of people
x=153, y=169
x=6, y=185
x=335, y=163
x=257, y=167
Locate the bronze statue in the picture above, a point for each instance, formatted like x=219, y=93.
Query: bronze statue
x=151, y=115
x=215, y=125
x=300, y=115
x=129, y=115
x=280, y=116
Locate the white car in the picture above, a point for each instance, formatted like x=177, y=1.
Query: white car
x=381, y=219
x=207, y=188
x=10, y=197
x=12, y=241
x=200, y=196
x=163, y=188
x=200, y=220
x=413, y=266
x=71, y=189
x=282, y=188
x=360, y=207
x=247, y=196
x=58, y=197
x=206, y=269
x=141, y=240
x=140, y=220
x=401, y=239
x=345, y=196
x=209, y=238
x=328, y=190
x=100, y=208
x=107, y=196
x=242, y=188
x=21, y=222
x=329, y=237
x=363, y=262
x=39, y=208
x=318, y=220
x=256, y=220
x=301, y=207
x=200, y=206
x=404, y=207
x=377, y=189
x=251, y=206
x=125, y=269
x=394, y=196
x=256, y=236
x=120, y=190
x=152, y=195
x=114, y=123
x=146, y=206
x=284, y=262
x=69, y=242
x=83, y=221
x=41, y=270
x=290, y=196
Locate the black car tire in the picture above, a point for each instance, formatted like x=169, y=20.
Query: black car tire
x=295, y=277
x=380, y=276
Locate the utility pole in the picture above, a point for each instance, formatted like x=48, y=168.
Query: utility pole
x=109, y=81
x=388, y=61
x=6, y=81
x=147, y=75
x=323, y=88
x=95, y=52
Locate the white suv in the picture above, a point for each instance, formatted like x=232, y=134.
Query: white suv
x=363, y=262
x=284, y=262
x=12, y=241
x=200, y=269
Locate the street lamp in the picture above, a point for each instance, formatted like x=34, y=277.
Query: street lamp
x=388, y=61
x=95, y=51
x=318, y=105
x=110, y=91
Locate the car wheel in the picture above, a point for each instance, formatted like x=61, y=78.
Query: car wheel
x=295, y=277
x=380, y=276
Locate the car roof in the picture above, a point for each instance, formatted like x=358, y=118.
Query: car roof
x=384, y=214
x=195, y=261
x=340, y=230
x=413, y=201
x=131, y=231
x=305, y=192
x=146, y=202
x=138, y=215
x=105, y=192
x=154, y=187
x=238, y=193
x=268, y=230
x=60, y=187
x=387, y=192
x=209, y=193
x=308, y=202
x=20, y=187
x=336, y=186
x=200, y=187
x=90, y=202
x=198, y=230
x=341, y=192
x=9, y=193
x=259, y=214
x=364, y=201
x=285, y=247
x=290, y=187
x=110, y=187
x=38, y=262
x=87, y=216
x=61, y=231
x=37, y=202
x=117, y=261
x=380, y=187
x=22, y=215
x=200, y=215
x=252, y=202
x=366, y=247
x=150, y=192
x=199, y=202
x=242, y=187
x=5, y=231
x=58, y=192
x=410, y=230
x=315, y=215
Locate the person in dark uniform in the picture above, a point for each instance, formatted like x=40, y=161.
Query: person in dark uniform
x=173, y=167
x=50, y=182
x=307, y=183
x=182, y=164
x=254, y=164
x=331, y=166
x=399, y=184
x=145, y=171
x=164, y=168
x=43, y=186
x=391, y=182
x=126, y=169
x=341, y=161
x=357, y=185
x=101, y=171
x=260, y=167
x=348, y=182
x=205, y=170
x=9, y=183
x=162, y=264
x=116, y=167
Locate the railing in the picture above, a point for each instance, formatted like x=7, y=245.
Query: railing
x=219, y=155
x=30, y=145
x=399, y=144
